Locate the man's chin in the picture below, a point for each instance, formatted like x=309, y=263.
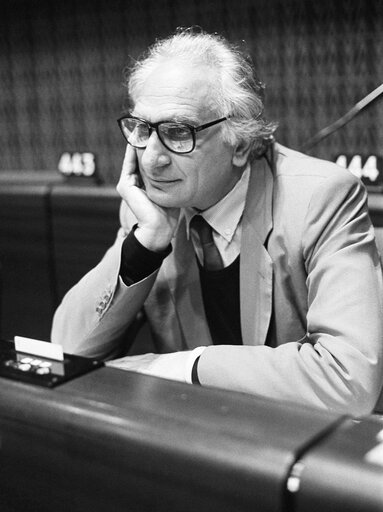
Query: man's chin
x=164, y=199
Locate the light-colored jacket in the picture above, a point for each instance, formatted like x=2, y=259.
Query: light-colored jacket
x=310, y=294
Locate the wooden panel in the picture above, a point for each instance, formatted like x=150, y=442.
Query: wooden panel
x=84, y=223
x=25, y=257
x=375, y=207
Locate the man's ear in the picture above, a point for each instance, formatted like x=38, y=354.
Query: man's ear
x=241, y=154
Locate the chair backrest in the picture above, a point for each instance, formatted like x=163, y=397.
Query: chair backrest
x=51, y=234
x=379, y=239
x=379, y=243
x=85, y=221
x=26, y=260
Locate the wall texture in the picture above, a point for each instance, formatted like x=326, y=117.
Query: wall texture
x=61, y=70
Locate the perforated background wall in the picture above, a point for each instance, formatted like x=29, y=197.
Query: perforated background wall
x=61, y=70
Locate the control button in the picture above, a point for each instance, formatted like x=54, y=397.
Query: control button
x=27, y=360
x=45, y=364
x=35, y=362
x=24, y=367
x=43, y=370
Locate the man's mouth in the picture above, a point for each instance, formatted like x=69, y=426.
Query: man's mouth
x=162, y=180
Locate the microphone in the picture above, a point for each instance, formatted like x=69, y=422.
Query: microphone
x=356, y=109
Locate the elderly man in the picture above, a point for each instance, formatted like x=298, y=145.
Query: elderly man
x=256, y=265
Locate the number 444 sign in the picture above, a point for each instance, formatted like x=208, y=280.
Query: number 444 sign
x=369, y=169
x=77, y=164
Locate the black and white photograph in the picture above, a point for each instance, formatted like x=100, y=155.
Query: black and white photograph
x=191, y=250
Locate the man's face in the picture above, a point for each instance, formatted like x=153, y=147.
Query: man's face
x=198, y=179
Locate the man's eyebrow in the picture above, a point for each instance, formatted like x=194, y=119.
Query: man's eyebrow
x=185, y=119
x=178, y=118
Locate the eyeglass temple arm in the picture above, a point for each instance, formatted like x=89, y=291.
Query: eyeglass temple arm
x=212, y=123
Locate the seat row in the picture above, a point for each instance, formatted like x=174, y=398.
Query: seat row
x=52, y=231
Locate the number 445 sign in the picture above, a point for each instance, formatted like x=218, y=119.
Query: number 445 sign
x=77, y=164
x=369, y=169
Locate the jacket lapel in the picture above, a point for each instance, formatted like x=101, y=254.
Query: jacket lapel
x=182, y=273
x=255, y=264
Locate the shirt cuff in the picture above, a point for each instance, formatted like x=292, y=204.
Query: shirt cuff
x=138, y=262
x=193, y=356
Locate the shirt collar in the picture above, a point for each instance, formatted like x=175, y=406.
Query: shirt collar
x=225, y=215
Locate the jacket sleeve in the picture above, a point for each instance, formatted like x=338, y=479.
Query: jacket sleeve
x=95, y=314
x=338, y=365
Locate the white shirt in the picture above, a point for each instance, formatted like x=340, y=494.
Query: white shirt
x=225, y=219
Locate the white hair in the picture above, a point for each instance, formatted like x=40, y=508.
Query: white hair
x=236, y=93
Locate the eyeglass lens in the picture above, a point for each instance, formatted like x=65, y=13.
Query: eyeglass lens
x=175, y=136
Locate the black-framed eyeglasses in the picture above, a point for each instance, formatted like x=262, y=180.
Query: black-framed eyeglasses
x=176, y=136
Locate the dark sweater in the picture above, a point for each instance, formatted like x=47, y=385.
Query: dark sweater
x=220, y=292
x=220, y=288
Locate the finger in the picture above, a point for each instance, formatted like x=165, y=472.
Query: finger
x=126, y=180
x=126, y=183
x=129, y=165
x=129, y=176
x=134, y=196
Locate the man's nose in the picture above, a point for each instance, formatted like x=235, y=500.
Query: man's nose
x=155, y=154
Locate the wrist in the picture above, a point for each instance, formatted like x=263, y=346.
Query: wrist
x=153, y=240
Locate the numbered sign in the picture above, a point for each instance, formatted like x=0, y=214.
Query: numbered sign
x=77, y=164
x=368, y=168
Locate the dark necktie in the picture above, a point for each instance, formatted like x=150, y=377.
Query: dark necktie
x=211, y=257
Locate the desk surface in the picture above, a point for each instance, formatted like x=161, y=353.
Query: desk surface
x=159, y=444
